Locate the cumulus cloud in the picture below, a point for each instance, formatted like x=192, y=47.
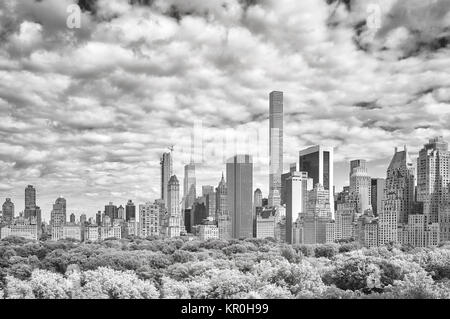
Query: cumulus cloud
x=87, y=112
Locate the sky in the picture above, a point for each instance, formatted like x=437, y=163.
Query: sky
x=87, y=111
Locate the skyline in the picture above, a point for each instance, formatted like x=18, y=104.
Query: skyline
x=265, y=195
x=88, y=112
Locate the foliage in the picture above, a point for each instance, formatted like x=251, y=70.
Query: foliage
x=136, y=268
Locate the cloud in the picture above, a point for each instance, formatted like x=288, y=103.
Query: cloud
x=87, y=112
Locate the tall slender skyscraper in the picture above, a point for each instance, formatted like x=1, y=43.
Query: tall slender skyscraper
x=433, y=177
x=190, y=192
x=174, y=219
x=275, y=141
x=240, y=192
x=166, y=173
x=221, y=198
x=398, y=197
x=317, y=161
x=222, y=215
x=360, y=185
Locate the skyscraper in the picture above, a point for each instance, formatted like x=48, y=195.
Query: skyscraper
x=297, y=186
x=111, y=211
x=190, y=192
x=31, y=210
x=120, y=212
x=83, y=219
x=210, y=202
x=398, y=196
x=360, y=185
x=207, y=189
x=275, y=141
x=433, y=177
x=8, y=211
x=222, y=215
x=275, y=198
x=72, y=218
x=58, y=215
x=376, y=194
x=317, y=161
x=166, y=173
x=98, y=218
x=30, y=197
x=221, y=198
x=174, y=219
x=198, y=212
x=257, y=198
x=240, y=192
x=130, y=211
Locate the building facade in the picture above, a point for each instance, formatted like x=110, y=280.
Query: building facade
x=173, y=222
x=297, y=187
x=266, y=221
x=360, y=185
x=433, y=177
x=275, y=141
x=189, y=190
x=317, y=161
x=149, y=220
x=58, y=215
x=8, y=211
x=166, y=173
x=398, y=198
x=240, y=195
x=376, y=194
x=130, y=211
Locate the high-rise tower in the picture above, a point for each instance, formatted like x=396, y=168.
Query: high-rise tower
x=189, y=191
x=317, y=161
x=240, y=192
x=398, y=196
x=360, y=185
x=166, y=173
x=297, y=187
x=275, y=141
x=433, y=177
x=173, y=220
x=58, y=214
x=130, y=211
x=30, y=197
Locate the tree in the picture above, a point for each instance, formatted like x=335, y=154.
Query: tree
x=49, y=285
x=173, y=289
x=417, y=286
x=290, y=254
x=298, y=278
x=272, y=291
x=107, y=283
x=327, y=250
x=18, y=289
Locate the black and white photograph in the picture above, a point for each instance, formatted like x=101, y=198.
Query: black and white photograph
x=246, y=150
